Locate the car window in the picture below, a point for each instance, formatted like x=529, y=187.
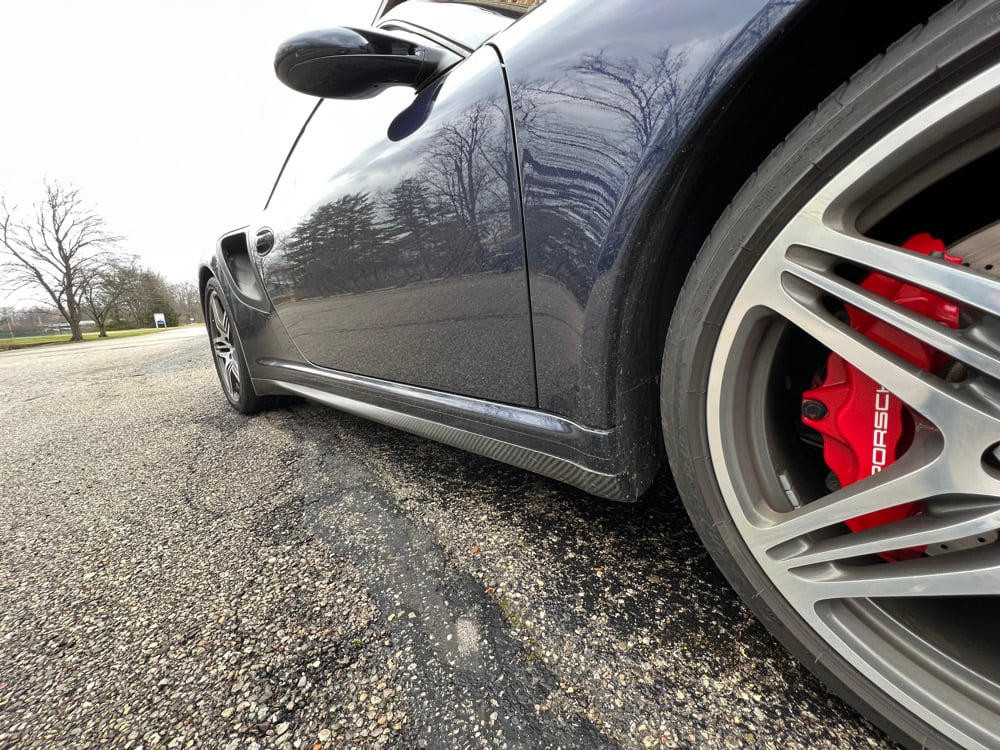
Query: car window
x=466, y=23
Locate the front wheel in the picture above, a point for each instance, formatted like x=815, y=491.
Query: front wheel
x=831, y=387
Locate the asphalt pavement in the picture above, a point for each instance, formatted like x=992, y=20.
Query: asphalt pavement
x=173, y=574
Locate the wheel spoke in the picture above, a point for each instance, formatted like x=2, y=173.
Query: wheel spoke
x=971, y=573
x=953, y=409
x=907, y=143
x=220, y=318
x=817, y=269
x=233, y=372
x=948, y=279
x=917, y=531
x=911, y=479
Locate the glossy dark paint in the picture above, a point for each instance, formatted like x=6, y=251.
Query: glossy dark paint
x=622, y=179
x=345, y=63
x=456, y=26
x=400, y=257
x=596, y=124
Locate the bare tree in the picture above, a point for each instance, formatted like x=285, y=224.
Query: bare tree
x=103, y=287
x=186, y=300
x=62, y=243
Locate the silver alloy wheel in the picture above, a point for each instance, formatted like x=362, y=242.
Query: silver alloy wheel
x=921, y=630
x=223, y=347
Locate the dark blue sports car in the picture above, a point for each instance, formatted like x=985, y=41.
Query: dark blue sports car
x=756, y=240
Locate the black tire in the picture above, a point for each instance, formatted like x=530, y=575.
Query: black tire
x=227, y=353
x=744, y=341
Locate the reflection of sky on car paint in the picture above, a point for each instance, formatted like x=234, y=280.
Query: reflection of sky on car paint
x=166, y=116
x=692, y=30
x=691, y=23
x=375, y=164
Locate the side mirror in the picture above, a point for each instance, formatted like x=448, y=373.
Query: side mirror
x=355, y=63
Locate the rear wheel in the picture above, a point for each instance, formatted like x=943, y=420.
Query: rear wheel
x=227, y=353
x=831, y=392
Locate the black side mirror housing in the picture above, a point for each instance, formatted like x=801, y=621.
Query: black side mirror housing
x=347, y=63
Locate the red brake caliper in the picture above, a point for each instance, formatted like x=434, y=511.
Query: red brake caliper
x=864, y=426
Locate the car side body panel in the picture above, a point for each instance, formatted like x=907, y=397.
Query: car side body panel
x=398, y=251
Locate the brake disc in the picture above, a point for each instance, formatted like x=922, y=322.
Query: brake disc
x=981, y=250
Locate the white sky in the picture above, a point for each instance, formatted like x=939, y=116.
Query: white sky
x=165, y=115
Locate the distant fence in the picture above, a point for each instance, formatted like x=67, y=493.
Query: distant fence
x=54, y=329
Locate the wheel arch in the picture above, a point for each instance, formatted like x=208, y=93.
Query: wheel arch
x=204, y=274
x=674, y=205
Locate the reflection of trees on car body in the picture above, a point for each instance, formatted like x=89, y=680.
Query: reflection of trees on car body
x=401, y=244
x=461, y=193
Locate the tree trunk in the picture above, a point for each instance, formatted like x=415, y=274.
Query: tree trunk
x=73, y=310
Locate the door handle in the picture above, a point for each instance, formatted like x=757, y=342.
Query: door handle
x=263, y=241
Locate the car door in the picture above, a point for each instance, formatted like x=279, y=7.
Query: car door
x=398, y=248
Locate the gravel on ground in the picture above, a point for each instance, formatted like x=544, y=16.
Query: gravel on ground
x=174, y=575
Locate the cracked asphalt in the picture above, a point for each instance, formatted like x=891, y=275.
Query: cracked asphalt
x=175, y=575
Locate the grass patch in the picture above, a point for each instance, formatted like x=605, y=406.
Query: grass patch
x=512, y=615
x=20, y=342
x=510, y=612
